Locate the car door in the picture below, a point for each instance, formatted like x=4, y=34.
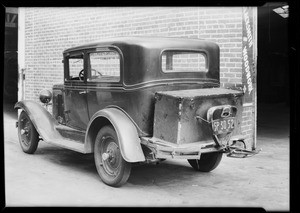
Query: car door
x=76, y=112
x=103, y=79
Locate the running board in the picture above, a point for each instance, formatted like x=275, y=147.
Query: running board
x=69, y=144
x=70, y=133
x=66, y=137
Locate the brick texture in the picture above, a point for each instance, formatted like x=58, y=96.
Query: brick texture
x=248, y=125
x=48, y=31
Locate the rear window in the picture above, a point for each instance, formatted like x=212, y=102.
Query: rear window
x=183, y=61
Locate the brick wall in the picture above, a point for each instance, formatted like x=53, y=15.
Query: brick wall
x=248, y=124
x=48, y=31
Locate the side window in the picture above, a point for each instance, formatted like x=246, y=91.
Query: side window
x=75, y=67
x=104, y=66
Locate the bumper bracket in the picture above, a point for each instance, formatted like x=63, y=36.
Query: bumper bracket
x=238, y=149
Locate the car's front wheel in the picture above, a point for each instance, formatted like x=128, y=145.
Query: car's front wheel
x=207, y=161
x=28, y=136
x=111, y=166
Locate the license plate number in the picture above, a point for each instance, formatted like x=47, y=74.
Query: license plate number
x=224, y=125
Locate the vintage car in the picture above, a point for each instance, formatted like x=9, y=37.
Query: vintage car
x=139, y=99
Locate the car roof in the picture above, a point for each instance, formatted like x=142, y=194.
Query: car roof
x=141, y=56
x=147, y=42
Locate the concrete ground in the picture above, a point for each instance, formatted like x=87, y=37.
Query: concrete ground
x=58, y=177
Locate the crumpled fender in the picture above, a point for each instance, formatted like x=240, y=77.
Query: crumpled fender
x=42, y=120
x=129, y=140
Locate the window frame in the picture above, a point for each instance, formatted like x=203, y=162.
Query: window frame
x=104, y=49
x=67, y=66
x=200, y=51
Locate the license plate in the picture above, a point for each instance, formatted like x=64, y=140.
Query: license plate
x=223, y=125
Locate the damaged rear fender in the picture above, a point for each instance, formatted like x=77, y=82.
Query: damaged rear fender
x=129, y=141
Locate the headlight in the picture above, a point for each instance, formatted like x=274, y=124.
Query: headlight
x=45, y=96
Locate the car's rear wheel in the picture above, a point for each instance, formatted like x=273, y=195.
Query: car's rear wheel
x=207, y=161
x=28, y=136
x=111, y=166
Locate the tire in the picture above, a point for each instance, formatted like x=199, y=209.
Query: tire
x=112, y=168
x=207, y=161
x=28, y=136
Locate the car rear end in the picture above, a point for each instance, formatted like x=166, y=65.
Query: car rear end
x=188, y=123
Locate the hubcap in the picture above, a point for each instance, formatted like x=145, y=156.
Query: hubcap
x=105, y=156
x=111, y=156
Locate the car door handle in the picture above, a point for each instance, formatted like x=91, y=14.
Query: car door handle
x=82, y=92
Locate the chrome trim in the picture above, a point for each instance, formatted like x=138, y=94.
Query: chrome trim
x=176, y=80
x=133, y=88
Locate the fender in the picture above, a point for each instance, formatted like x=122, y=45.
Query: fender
x=129, y=140
x=42, y=120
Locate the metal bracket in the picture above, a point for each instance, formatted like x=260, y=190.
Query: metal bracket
x=216, y=140
x=199, y=117
x=240, y=152
x=67, y=115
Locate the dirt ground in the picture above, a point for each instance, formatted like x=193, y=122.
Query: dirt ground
x=58, y=177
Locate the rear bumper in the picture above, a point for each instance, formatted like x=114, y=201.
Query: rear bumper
x=166, y=150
